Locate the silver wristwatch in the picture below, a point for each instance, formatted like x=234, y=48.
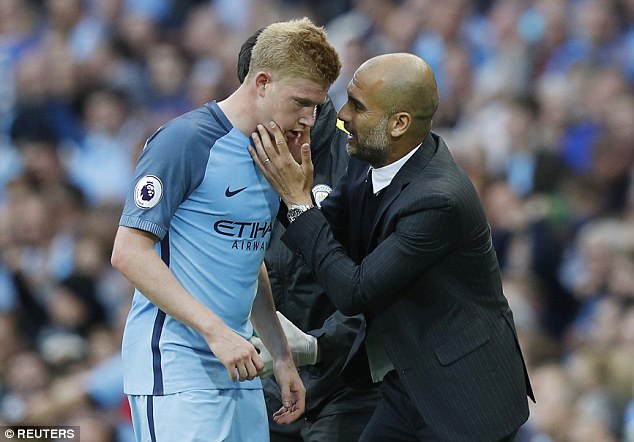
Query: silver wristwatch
x=295, y=210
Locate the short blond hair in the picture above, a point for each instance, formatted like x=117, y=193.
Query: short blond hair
x=296, y=48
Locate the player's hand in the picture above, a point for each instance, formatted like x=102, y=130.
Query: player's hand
x=291, y=181
x=239, y=357
x=292, y=391
x=264, y=355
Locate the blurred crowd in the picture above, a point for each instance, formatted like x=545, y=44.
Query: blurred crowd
x=537, y=104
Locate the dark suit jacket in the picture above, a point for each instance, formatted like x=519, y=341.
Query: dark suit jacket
x=430, y=282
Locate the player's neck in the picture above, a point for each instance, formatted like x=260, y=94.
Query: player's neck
x=239, y=109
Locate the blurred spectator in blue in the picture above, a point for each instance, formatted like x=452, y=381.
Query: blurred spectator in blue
x=553, y=418
x=543, y=26
x=627, y=7
x=588, y=369
x=449, y=25
x=207, y=41
x=627, y=389
x=10, y=344
x=157, y=10
x=167, y=74
x=70, y=23
x=585, y=272
x=357, y=35
x=16, y=36
x=102, y=165
x=613, y=154
x=45, y=95
x=533, y=165
x=95, y=385
x=25, y=379
x=594, y=90
x=595, y=36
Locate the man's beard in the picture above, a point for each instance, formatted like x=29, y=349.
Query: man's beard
x=373, y=147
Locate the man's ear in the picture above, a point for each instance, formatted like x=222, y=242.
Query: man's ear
x=261, y=80
x=399, y=123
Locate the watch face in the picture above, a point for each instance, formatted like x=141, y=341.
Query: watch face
x=294, y=213
x=295, y=210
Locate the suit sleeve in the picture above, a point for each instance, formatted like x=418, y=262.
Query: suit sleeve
x=336, y=336
x=424, y=233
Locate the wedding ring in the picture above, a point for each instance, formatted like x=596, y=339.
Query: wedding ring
x=268, y=160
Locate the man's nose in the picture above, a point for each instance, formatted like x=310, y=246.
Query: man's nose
x=308, y=119
x=341, y=115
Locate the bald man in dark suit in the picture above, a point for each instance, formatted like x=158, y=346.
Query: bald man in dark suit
x=403, y=239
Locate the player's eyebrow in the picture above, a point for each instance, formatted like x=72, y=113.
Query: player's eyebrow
x=305, y=102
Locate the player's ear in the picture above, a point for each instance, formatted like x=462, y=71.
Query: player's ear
x=261, y=80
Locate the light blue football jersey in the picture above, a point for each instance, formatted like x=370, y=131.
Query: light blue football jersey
x=198, y=190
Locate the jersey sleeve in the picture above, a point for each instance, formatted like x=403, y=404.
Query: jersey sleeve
x=170, y=167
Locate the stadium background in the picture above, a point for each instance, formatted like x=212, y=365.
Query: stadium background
x=537, y=104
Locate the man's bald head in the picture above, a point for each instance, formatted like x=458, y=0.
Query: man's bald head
x=403, y=83
x=392, y=99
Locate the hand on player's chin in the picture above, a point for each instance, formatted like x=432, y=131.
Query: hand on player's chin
x=295, y=144
x=295, y=148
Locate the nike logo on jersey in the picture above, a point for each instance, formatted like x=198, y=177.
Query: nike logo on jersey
x=229, y=193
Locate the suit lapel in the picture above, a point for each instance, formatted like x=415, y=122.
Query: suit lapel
x=410, y=170
x=356, y=213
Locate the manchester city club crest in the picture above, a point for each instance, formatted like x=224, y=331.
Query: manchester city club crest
x=320, y=192
x=148, y=192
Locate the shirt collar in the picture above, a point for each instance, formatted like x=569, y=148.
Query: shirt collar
x=383, y=176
